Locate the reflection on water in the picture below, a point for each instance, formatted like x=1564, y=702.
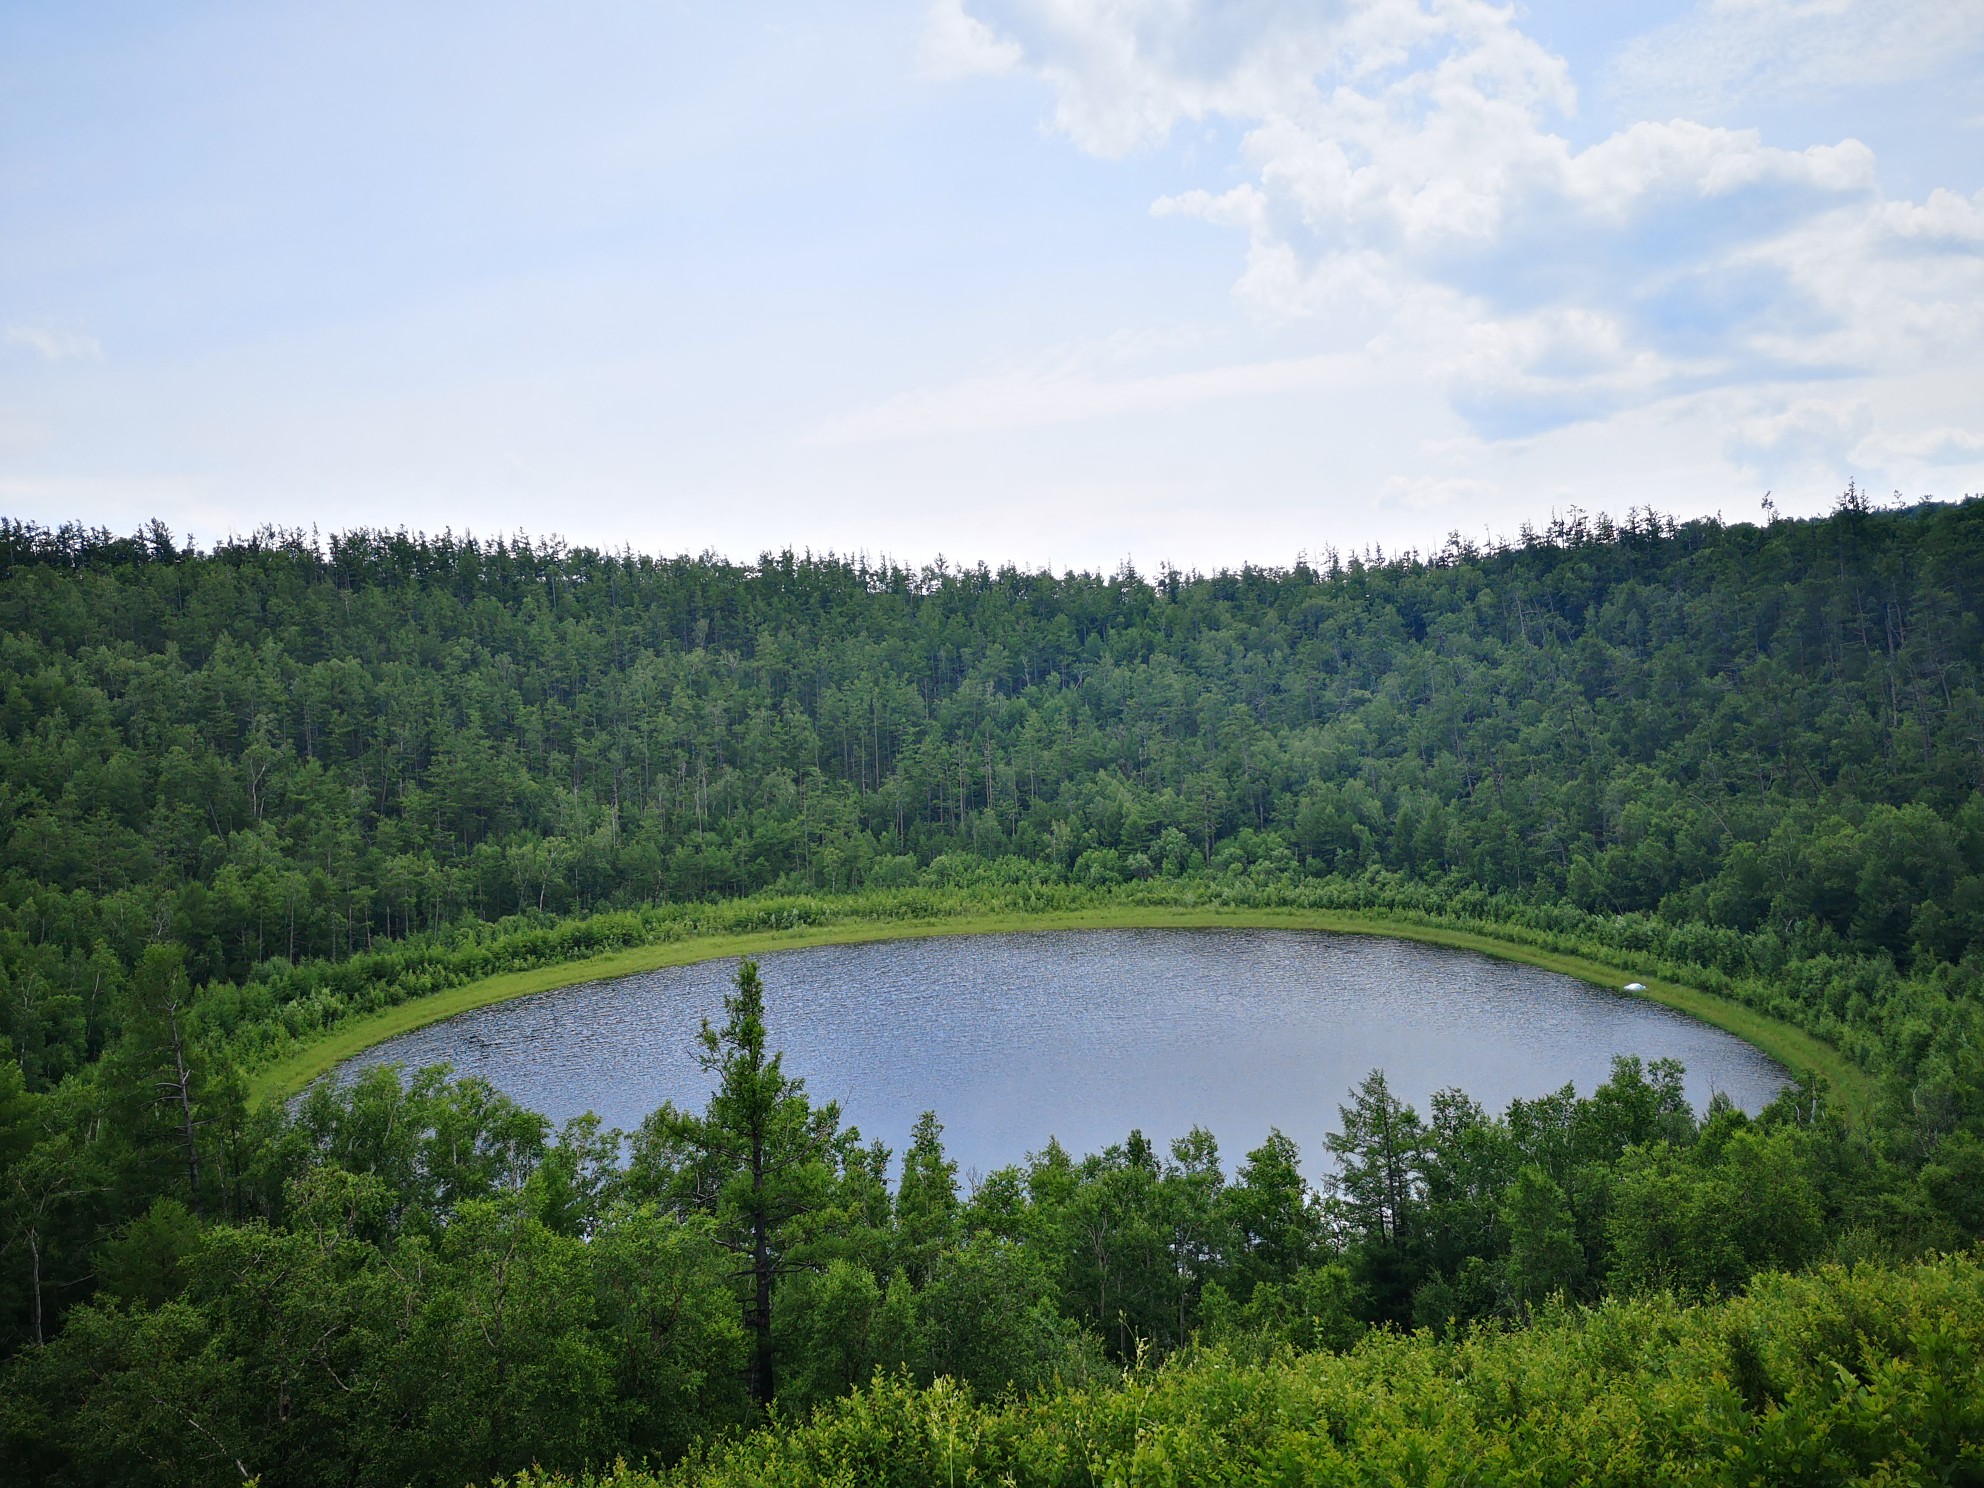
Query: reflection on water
x=1086, y=1034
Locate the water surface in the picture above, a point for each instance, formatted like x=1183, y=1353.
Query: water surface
x=1085, y=1034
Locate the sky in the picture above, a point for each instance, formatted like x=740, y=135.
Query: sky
x=1052, y=282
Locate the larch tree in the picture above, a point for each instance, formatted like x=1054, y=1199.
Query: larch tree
x=926, y=1199
x=760, y=1159
x=1380, y=1152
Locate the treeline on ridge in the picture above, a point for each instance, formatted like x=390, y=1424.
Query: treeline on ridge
x=285, y=750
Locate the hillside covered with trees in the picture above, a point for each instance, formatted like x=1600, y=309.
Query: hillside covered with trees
x=249, y=792
x=288, y=749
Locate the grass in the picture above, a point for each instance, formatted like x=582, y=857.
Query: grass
x=1790, y=1046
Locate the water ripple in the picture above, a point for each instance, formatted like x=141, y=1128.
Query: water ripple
x=1086, y=1034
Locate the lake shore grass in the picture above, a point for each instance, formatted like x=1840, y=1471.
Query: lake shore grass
x=1790, y=1046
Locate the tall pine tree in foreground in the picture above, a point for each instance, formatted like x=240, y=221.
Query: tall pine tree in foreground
x=760, y=1159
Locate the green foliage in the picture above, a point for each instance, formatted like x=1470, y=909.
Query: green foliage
x=1707, y=1219
x=987, y=1317
x=341, y=774
x=1274, y=1224
x=252, y=795
x=1869, y=1375
x=431, y=1143
x=1315, y=1308
x=420, y=1284
x=329, y=1350
x=761, y=1161
x=926, y=1199
x=668, y=1326
x=1544, y=1257
x=834, y=1328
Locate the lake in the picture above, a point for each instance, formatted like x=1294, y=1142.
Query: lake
x=1083, y=1035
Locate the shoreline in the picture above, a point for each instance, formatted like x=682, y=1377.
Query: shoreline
x=1789, y=1046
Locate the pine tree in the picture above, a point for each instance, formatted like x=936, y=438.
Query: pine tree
x=1379, y=1182
x=760, y=1160
x=926, y=1199
x=162, y=1081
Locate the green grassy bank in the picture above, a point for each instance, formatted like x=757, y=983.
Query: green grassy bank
x=1790, y=1046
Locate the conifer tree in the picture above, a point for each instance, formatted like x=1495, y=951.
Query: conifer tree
x=926, y=1199
x=759, y=1159
x=1379, y=1150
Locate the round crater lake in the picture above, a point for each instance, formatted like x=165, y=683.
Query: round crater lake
x=1085, y=1034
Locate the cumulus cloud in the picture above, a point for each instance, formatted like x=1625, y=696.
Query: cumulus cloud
x=1126, y=72
x=1812, y=438
x=956, y=45
x=1939, y=445
x=1815, y=429
x=1409, y=186
x=55, y=345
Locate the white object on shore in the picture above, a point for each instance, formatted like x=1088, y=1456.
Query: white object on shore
x=1636, y=986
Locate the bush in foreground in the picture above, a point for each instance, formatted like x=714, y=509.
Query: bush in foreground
x=1864, y=1375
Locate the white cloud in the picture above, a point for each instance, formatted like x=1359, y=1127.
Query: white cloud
x=1891, y=289
x=1125, y=72
x=1945, y=218
x=1512, y=375
x=1912, y=433
x=956, y=45
x=1940, y=445
x=55, y=345
x=1070, y=395
x=1408, y=190
x=1730, y=53
x=1809, y=430
x=1680, y=159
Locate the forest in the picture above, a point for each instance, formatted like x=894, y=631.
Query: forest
x=252, y=792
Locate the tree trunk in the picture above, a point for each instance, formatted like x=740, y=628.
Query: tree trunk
x=34, y=1250
x=762, y=1383
x=183, y=1092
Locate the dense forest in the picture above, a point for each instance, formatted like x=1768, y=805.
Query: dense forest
x=417, y=1282
x=287, y=750
x=1831, y=1378
x=248, y=792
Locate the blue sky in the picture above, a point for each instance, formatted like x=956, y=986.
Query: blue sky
x=1054, y=281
